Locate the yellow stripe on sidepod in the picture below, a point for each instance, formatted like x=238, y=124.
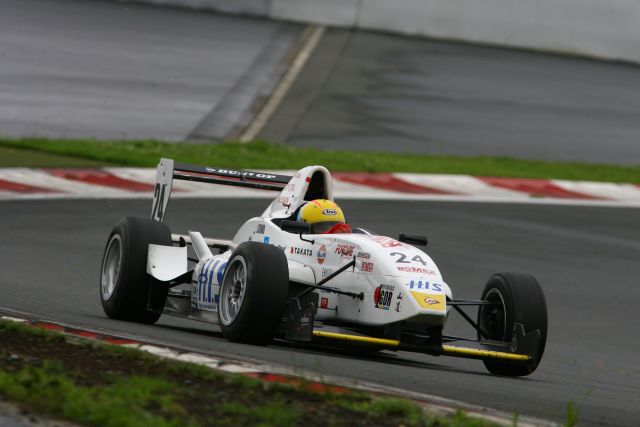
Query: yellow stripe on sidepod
x=447, y=349
x=356, y=338
x=485, y=354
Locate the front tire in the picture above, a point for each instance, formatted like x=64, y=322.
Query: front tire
x=124, y=283
x=519, y=299
x=253, y=294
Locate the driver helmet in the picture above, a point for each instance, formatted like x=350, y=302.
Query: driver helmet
x=325, y=217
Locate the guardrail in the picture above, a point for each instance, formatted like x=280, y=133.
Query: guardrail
x=607, y=29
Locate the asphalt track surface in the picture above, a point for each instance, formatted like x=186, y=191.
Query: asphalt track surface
x=113, y=70
x=106, y=69
x=373, y=91
x=585, y=258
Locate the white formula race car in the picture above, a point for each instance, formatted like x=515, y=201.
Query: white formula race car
x=277, y=280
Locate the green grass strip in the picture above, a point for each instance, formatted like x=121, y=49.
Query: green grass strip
x=122, y=403
x=107, y=386
x=263, y=155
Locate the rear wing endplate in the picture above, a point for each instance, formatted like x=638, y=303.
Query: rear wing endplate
x=168, y=170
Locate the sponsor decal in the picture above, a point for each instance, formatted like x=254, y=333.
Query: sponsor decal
x=426, y=286
x=382, y=296
x=365, y=255
x=228, y=172
x=385, y=242
x=326, y=272
x=398, y=301
x=344, y=250
x=324, y=302
x=260, y=229
x=411, y=269
x=265, y=239
x=330, y=212
x=290, y=187
x=300, y=251
x=210, y=275
x=366, y=266
x=403, y=259
x=284, y=201
x=322, y=254
x=430, y=301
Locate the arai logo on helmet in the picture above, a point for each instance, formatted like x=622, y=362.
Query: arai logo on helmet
x=329, y=212
x=322, y=254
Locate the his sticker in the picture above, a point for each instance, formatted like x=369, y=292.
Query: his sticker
x=210, y=276
x=430, y=301
x=426, y=286
x=324, y=302
x=265, y=240
x=260, y=229
x=322, y=254
x=326, y=272
x=382, y=296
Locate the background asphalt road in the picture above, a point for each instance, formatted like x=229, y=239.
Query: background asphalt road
x=373, y=91
x=585, y=258
x=107, y=69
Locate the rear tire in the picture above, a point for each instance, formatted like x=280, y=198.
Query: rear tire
x=124, y=282
x=521, y=301
x=253, y=294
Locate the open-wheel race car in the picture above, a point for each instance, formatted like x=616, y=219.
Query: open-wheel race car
x=282, y=277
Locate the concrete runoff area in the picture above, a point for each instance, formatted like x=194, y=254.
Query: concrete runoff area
x=111, y=70
x=584, y=258
x=374, y=91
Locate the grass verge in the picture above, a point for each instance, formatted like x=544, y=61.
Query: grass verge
x=262, y=155
x=100, y=385
x=16, y=157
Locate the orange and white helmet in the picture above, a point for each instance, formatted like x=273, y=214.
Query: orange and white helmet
x=323, y=215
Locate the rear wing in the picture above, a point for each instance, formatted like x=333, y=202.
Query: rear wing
x=168, y=170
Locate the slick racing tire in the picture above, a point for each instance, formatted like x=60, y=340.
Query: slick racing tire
x=125, y=286
x=253, y=294
x=519, y=299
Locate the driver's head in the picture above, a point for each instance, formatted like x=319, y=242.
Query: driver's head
x=323, y=215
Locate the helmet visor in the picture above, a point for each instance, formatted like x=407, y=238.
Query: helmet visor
x=323, y=226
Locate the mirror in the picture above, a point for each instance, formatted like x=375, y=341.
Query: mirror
x=413, y=239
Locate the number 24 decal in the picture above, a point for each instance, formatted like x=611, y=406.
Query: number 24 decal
x=402, y=258
x=158, y=195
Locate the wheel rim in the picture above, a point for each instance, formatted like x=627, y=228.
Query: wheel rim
x=111, y=267
x=234, y=287
x=493, y=318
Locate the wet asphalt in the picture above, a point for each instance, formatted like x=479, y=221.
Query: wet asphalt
x=586, y=260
